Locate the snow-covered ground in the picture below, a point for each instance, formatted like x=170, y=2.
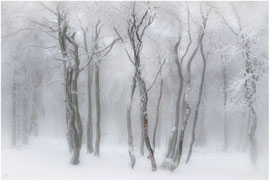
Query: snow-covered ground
x=50, y=160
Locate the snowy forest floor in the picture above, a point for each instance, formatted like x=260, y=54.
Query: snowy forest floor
x=49, y=159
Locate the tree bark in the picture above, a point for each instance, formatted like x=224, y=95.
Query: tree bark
x=144, y=101
x=75, y=124
x=225, y=112
x=198, y=104
x=157, y=115
x=142, y=133
x=129, y=127
x=174, y=134
x=135, y=37
x=98, y=131
x=250, y=86
x=25, y=121
x=89, y=124
x=187, y=109
x=73, y=136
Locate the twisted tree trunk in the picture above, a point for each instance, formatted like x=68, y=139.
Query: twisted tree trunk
x=144, y=101
x=174, y=134
x=74, y=124
x=198, y=104
x=129, y=127
x=73, y=135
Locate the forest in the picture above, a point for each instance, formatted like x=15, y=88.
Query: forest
x=134, y=90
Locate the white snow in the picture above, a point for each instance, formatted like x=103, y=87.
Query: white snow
x=49, y=159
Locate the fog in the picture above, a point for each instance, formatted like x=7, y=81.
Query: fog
x=134, y=90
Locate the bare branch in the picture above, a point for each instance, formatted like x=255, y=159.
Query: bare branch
x=130, y=58
x=109, y=47
x=189, y=35
x=14, y=33
x=118, y=34
x=59, y=59
x=41, y=24
x=58, y=81
x=49, y=9
x=156, y=75
x=227, y=24
x=148, y=24
x=37, y=46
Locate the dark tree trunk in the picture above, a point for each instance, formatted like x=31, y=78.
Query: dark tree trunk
x=98, y=131
x=89, y=124
x=74, y=124
x=198, y=104
x=73, y=136
x=144, y=101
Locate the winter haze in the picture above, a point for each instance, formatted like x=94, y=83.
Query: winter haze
x=134, y=90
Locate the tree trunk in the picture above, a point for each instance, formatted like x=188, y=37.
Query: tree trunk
x=129, y=127
x=202, y=134
x=144, y=100
x=198, y=105
x=174, y=134
x=14, y=109
x=187, y=110
x=33, y=127
x=157, y=115
x=98, y=132
x=225, y=112
x=25, y=121
x=73, y=135
x=75, y=124
x=142, y=133
x=251, y=134
x=250, y=86
x=178, y=155
x=89, y=124
x=78, y=121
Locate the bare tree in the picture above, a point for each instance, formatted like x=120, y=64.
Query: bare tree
x=96, y=55
x=204, y=58
x=187, y=109
x=158, y=110
x=172, y=148
x=136, y=32
x=89, y=124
